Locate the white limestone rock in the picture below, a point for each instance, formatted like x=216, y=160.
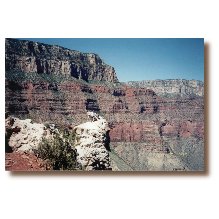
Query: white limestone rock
x=92, y=143
x=24, y=135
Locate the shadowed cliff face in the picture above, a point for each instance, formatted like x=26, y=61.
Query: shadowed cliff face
x=32, y=57
x=157, y=126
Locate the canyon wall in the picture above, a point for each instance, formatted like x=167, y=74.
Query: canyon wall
x=33, y=57
x=153, y=125
x=172, y=87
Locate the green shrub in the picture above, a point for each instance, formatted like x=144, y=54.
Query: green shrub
x=59, y=151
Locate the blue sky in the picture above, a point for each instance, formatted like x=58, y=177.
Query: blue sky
x=143, y=59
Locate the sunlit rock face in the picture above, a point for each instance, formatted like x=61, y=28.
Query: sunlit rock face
x=92, y=143
x=24, y=135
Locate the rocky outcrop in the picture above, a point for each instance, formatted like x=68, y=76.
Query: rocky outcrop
x=23, y=135
x=32, y=57
x=172, y=87
x=92, y=143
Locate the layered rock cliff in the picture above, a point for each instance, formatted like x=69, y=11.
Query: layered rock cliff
x=33, y=57
x=173, y=87
x=152, y=125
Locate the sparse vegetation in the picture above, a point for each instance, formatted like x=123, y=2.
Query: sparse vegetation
x=59, y=151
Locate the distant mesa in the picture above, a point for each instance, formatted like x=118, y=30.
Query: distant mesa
x=180, y=87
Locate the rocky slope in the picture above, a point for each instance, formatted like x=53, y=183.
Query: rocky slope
x=22, y=161
x=33, y=57
x=150, y=129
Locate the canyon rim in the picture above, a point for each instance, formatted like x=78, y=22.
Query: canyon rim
x=67, y=110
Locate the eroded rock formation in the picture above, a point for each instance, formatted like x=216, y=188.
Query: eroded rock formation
x=32, y=57
x=92, y=143
x=23, y=135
